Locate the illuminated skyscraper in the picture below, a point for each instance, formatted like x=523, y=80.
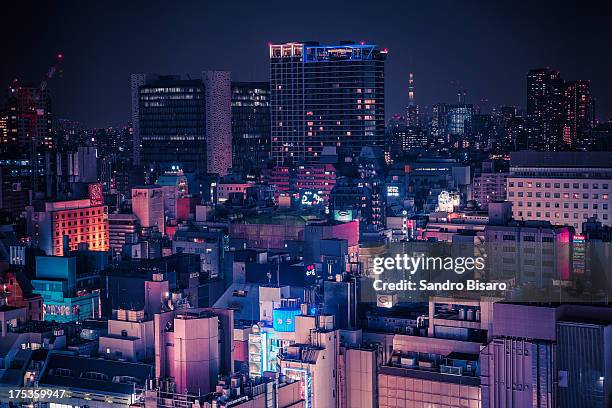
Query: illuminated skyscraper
x=182, y=122
x=171, y=126
x=325, y=95
x=544, y=108
x=250, y=125
x=412, y=112
x=578, y=111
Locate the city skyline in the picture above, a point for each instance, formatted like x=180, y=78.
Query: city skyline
x=118, y=41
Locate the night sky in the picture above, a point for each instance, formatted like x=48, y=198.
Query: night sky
x=486, y=46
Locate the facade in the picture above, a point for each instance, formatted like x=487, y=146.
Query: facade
x=459, y=119
x=544, y=108
x=325, y=95
x=193, y=346
x=565, y=188
x=317, y=179
x=63, y=301
x=489, y=185
x=578, y=110
x=217, y=91
x=584, y=378
x=148, y=206
x=171, y=126
x=120, y=227
x=519, y=365
x=130, y=337
x=29, y=129
x=68, y=224
x=250, y=126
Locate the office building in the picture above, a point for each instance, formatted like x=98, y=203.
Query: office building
x=130, y=336
x=217, y=90
x=519, y=367
x=544, y=108
x=65, y=298
x=193, y=346
x=325, y=95
x=250, y=126
x=459, y=119
x=439, y=121
x=489, y=185
x=148, y=206
x=65, y=225
x=585, y=376
x=170, y=122
x=29, y=128
x=565, y=188
x=578, y=113
x=121, y=227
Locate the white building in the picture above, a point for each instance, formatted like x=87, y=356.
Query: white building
x=148, y=206
x=565, y=188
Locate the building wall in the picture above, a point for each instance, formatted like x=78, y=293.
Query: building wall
x=217, y=88
x=148, y=206
x=563, y=201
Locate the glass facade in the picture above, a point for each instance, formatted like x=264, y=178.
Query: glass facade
x=172, y=124
x=250, y=126
x=325, y=96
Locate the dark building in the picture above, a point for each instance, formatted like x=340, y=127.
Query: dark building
x=29, y=130
x=250, y=126
x=544, y=108
x=172, y=123
x=325, y=95
x=578, y=113
x=404, y=139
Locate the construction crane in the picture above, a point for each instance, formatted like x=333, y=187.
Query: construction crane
x=51, y=71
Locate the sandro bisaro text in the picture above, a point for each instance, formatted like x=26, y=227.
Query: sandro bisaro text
x=411, y=265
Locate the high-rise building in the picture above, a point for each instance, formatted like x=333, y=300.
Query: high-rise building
x=137, y=80
x=544, y=108
x=250, y=125
x=29, y=128
x=459, y=118
x=171, y=123
x=412, y=112
x=325, y=95
x=578, y=112
x=217, y=88
x=184, y=123
x=438, y=120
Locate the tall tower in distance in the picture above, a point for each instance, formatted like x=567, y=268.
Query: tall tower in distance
x=325, y=96
x=578, y=112
x=544, y=108
x=412, y=112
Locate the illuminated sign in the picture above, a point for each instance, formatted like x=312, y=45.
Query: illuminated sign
x=392, y=191
x=310, y=270
x=310, y=198
x=95, y=193
x=343, y=215
x=283, y=320
x=448, y=201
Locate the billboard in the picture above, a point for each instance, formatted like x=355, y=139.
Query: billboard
x=283, y=320
x=343, y=215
